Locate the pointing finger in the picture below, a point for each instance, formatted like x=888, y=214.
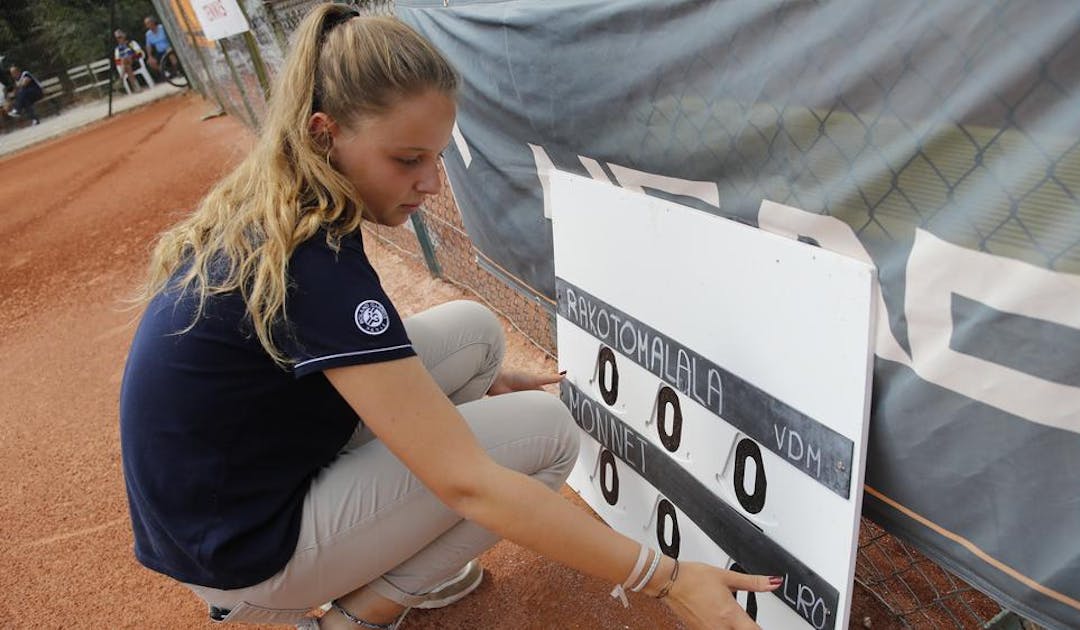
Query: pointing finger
x=755, y=583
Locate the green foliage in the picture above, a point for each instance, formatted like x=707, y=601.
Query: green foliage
x=48, y=36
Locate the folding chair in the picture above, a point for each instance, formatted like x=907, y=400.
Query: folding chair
x=140, y=69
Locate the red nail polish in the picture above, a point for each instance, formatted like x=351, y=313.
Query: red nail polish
x=776, y=580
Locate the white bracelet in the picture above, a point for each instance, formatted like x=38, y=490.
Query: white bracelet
x=650, y=572
x=643, y=555
x=619, y=592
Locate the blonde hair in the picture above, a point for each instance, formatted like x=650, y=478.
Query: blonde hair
x=242, y=234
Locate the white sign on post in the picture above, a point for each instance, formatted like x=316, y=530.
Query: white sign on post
x=721, y=378
x=219, y=18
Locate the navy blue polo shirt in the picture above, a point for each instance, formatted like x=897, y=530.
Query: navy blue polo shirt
x=219, y=443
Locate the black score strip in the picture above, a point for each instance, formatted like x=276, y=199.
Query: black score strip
x=804, y=591
x=818, y=451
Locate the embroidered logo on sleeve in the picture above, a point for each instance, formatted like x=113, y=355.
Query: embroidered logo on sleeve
x=371, y=317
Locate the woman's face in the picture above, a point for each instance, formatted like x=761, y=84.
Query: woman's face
x=392, y=160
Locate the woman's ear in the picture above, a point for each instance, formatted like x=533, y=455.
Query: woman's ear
x=322, y=125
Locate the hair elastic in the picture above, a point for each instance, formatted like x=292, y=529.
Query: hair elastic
x=331, y=20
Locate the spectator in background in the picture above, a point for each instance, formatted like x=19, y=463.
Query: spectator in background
x=27, y=91
x=126, y=55
x=157, y=44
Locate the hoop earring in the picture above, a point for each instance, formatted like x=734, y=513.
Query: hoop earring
x=325, y=140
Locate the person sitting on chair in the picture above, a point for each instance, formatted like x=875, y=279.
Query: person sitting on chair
x=157, y=44
x=27, y=91
x=126, y=55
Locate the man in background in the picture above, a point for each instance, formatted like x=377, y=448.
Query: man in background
x=157, y=44
x=27, y=91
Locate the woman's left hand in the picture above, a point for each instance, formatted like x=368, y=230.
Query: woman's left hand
x=512, y=381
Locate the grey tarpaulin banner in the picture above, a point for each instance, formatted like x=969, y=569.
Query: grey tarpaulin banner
x=939, y=140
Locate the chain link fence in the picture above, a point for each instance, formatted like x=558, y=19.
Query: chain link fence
x=821, y=152
x=962, y=156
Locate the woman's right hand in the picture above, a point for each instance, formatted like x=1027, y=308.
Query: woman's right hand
x=703, y=596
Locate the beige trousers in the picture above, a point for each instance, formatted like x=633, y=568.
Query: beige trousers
x=368, y=520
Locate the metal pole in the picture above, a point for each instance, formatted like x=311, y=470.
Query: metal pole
x=239, y=84
x=257, y=61
x=275, y=24
x=109, y=54
x=256, y=56
x=426, y=246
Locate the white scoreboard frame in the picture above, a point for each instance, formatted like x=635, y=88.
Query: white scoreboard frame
x=721, y=379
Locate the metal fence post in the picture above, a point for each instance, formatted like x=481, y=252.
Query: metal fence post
x=426, y=245
x=275, y=25
x=239, y=83
x=256, y=57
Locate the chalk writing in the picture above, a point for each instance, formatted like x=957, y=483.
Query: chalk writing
x=680, y=366
x=808, y=604
x=609, y=432
x=791, y=445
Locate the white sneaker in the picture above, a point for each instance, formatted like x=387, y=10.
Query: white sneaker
x=445, y=593
x=454, y=588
